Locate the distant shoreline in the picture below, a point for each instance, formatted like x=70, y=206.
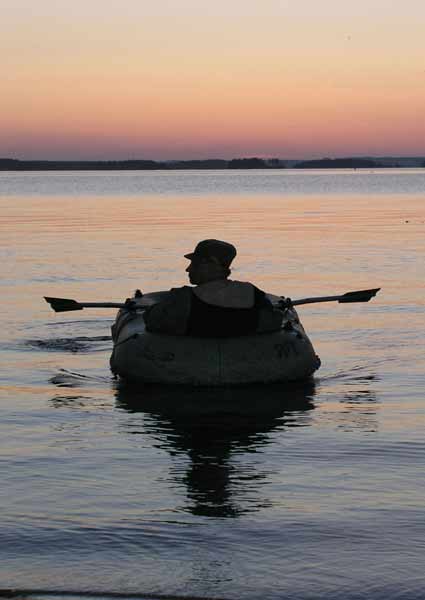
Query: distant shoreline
x=10, y=164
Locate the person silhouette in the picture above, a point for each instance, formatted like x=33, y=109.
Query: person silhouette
x=216, y=306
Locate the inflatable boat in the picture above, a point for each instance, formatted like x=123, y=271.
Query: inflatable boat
x=142, y=356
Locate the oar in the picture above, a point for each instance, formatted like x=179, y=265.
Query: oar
x=360, y=296
x=66, y=304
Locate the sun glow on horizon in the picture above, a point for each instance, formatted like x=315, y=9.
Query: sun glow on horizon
x=276, y=80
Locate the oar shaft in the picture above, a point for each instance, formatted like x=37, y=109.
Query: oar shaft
x=358, y=296
x=67, y=304
x=314, y=300
x=102, y=304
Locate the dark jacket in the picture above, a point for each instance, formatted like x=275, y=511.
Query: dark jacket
x=184, y=313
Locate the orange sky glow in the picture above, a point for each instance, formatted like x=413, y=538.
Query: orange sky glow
x=98, y=80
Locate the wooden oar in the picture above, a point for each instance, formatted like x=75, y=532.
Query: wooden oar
x=66, y=304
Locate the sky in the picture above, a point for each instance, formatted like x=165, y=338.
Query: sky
x=103, y=79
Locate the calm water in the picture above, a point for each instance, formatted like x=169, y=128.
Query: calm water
x=269, y=492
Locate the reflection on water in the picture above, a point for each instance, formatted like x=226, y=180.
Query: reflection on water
x=211, y=434
x=71, y=379
x=318, y=492
x=72, y=401
x=68, y=344
x=211, y=427
x=351, y=398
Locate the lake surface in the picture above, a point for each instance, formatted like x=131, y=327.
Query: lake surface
x=314, y=491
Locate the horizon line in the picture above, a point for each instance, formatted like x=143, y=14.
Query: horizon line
x=218, y=158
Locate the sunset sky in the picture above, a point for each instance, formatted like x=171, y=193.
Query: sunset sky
x=179, y=79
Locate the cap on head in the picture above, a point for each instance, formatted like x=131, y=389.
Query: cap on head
x=222, y=252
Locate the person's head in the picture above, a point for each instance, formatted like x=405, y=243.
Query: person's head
x=209, y=261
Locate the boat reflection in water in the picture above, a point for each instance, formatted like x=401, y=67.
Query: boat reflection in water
x=216, y=429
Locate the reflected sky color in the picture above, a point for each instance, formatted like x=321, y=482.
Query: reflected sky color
x=184, y=80
x=266, y=492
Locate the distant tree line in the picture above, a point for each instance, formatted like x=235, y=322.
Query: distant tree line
x=11, y=164
x=247, y=163
x=197, y=164
x=339, y=163
x=76, y=165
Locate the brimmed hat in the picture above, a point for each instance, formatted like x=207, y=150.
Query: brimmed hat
x=222, y=252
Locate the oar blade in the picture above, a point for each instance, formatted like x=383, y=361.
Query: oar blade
x=63, y=304
x=360, y=296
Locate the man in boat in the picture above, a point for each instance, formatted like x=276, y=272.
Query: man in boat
x=216, y=306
